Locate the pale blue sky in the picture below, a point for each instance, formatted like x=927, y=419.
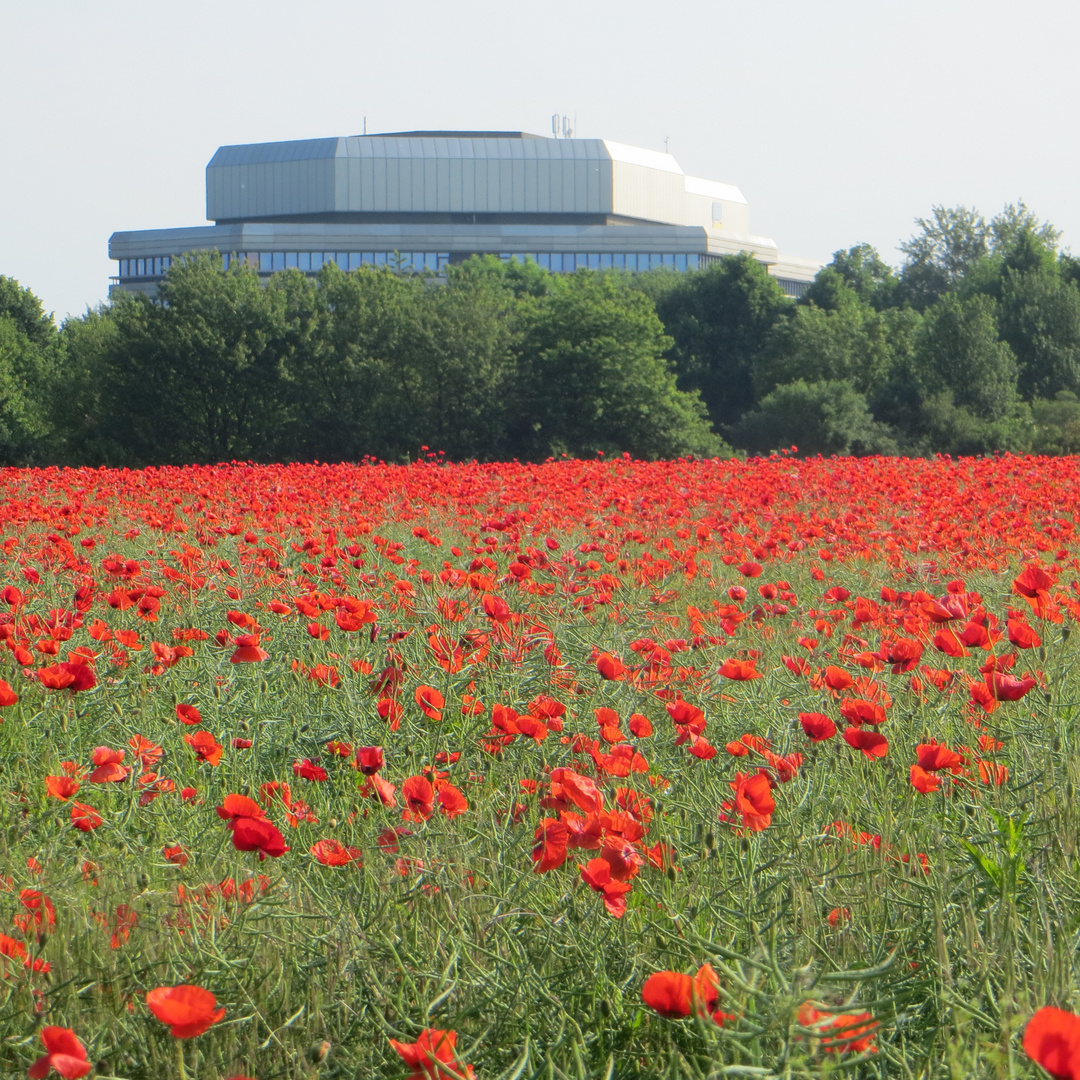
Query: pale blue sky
x=841, y=120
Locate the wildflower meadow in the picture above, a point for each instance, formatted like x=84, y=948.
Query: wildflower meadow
x=579, y=769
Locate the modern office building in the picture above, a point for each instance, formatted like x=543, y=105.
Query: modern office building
x=419, y=200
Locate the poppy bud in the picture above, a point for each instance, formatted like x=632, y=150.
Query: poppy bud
x=744, y=844
x=605, y=1007
x=143, y=881
x=671, y=873
x=316, y=1053
x=1057, y=744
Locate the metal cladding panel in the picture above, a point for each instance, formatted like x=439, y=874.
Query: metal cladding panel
x=442, y=185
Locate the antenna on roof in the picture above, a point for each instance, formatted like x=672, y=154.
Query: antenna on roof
x=666, y=138
x=560, y=126
x=365, y=125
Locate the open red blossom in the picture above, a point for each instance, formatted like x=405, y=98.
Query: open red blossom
x=67, y=676
x=84, y=818
x=431, y=701
x=63, y=1052
x=871, y=743
x=433, y=1057
x=859, y=711
x=840, y=1033
x=1052, y=1039
x=333, y=852
x=7, y=695
x=739, y=670
x=674, y=995
x=753, y=800
x=934, y=757
x=248, y=650
x=308, y=770
x=419, y=798
x=257, y=834
x=61, y=787
x=188, y=714
x=1008, y=687
x=239, y=806
x=610, y=667
x=923, y=781
x=187, y=1010
x=817, y=726
x=206, y=747
x=597, y=875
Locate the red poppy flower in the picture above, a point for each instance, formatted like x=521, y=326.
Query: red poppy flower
x=64, y=1053
x=188, y=714
x=9, y=697
x=239, y=806
x=597, y=875
x=639, y=726
x=188, y=1010
x=924, y=781
x=818, y=726
x=934, y=757
x=1008, y=687
x=451, y=801
x=753, y=800
x=739, y=670
x=67, y=676
x=1052, y=1039
x=553, y=838
x=61, y=787
x=431, y=702
x=840, y=1033
x=432, y=1056
x=871, y=743
x=248, y=650
x=332, y=852
x=309, y=770
x=109, y=770
x=858, y=711
x=206, y=747
x=610, y=667
x=84, y=818
x=419, y=798
x=674, y=995
x=257, y=834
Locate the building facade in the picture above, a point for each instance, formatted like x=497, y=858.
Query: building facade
x=420, y=200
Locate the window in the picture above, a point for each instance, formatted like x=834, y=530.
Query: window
x=594, y=260
x=680, y=262
x=606, y=261
x=291, y=260
x=303, y=260
x=667, y=260
x=264, y=262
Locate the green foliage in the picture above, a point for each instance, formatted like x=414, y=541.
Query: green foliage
x=948, y=246
x=593, y=377
x=847, y=341
x=1056, y=424
x=829, y=416
x=24, y=309
x=958, y=351
x=862, y=269
x=719, y=319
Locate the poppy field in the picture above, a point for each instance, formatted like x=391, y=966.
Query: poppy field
x=580, y=769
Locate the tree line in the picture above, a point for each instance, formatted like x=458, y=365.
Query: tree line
x=971, y=346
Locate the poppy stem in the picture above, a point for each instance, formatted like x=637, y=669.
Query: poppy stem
x=180, y=1059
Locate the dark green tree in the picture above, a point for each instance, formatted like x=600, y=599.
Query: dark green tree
x=719, y=319
x=863, y=271
x=958, y=352
x=946, y=248
x=824, y=417
x=593, y=377
x=200, y=373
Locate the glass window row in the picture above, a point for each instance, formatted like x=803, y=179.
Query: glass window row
x=269, y=262
x=606, y=260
